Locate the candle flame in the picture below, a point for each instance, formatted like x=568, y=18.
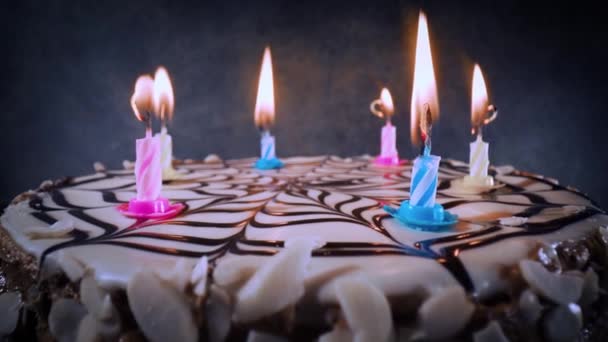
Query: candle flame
x=264, y=104
x=383, y=107
x=479, y=98
x=163, y=94
x=141, y=101
x=424, y=93
x=387, y=102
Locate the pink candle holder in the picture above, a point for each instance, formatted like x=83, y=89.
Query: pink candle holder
x=388, y=161
x=159, y=208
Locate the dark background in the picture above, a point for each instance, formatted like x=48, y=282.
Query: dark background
x=69, y=69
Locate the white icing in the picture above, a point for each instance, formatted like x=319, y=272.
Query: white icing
x=245, y=215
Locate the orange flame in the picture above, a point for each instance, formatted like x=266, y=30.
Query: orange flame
x=479, y=102
x=424, y=91
x=163, y=94
x=383, y=107
x=387, y=102
x=141, y=101
x=264, y=104
x=479, y=98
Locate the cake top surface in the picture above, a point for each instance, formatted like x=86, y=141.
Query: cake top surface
x=240, y=216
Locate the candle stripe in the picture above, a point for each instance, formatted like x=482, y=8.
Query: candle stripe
x=267, y=152
x=479, y=162
x=267, y=147
x=425, y=182
x=424, y=190
x=428, y=199
x=416, y=180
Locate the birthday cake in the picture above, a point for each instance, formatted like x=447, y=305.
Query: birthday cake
x=305, y=252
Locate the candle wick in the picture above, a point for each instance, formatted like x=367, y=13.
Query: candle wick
x=163, y=125
x=148, y=126
x=492, y=112
x=426, y=126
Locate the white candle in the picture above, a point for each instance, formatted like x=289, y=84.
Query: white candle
x=478, y=158
x=479, y=150
x=164, y=103
x=166, y=156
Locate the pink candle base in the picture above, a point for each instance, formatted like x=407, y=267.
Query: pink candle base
x=388, y=161
x=159, y=208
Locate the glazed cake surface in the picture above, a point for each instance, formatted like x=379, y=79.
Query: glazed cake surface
x=309, y=246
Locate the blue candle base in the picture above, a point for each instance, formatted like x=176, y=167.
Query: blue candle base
x=422, y=218
x=268, y=164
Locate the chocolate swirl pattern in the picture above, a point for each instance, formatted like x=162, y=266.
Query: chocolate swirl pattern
x=233, y=210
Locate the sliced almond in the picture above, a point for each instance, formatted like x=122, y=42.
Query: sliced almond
x=57, y=230
x=277, y=284
x=161, y=311
x=10, y=306
x=563, y=323
x=530, y=306
x=365, y=309
x=445, y=313
x=64, y=319
x=559, y=288
x=491, y=333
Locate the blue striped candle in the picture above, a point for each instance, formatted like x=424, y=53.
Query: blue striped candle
x=423, y=188
x=267, y=146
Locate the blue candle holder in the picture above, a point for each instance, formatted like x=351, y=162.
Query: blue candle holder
x=268, y=164
x=421, y=211
x=423, y=218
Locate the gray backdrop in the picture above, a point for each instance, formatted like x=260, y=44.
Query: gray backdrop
x=70, y=66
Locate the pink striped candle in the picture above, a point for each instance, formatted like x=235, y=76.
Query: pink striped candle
x=148, y=170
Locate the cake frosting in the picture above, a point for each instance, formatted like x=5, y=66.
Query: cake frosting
x=313, y=236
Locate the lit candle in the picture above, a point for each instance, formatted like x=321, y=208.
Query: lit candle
x=383, y=108
x=264, y=115
x=148, y=202
x=424, y=110
x=421, y=211
x=482, y=114
x=163, y=101
x=148, y=173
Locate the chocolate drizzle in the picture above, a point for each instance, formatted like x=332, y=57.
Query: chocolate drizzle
x=309, y=193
